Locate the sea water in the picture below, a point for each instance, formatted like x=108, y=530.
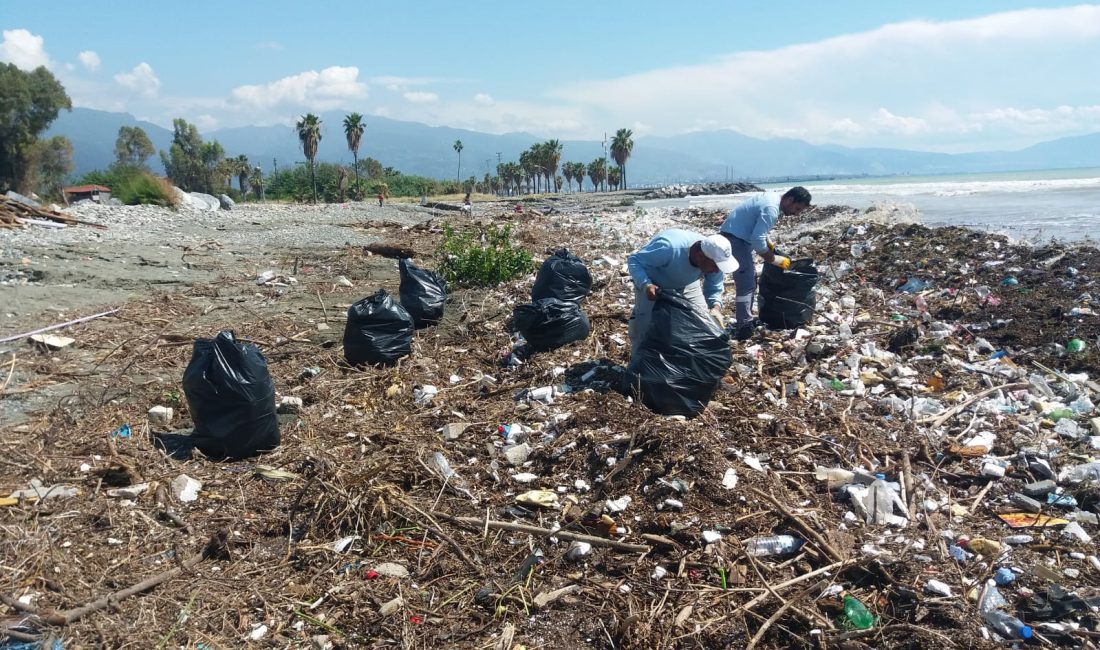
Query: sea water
x=1036, y=206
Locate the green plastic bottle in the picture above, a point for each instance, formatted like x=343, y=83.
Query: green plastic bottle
x=1076, y=345
x=857, y=615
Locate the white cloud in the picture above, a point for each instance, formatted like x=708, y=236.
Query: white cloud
x=420, y=97
x=483, y=99
x=270, y=45
x=89, y=59
x=141, y=80
x=205, y=122
x=937, y=77
x=23, y=49
x=331, y=88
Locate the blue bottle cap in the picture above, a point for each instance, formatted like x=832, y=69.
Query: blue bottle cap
x=1026, y=632
x=881, y=477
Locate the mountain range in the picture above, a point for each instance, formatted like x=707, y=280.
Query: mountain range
x=416, y=148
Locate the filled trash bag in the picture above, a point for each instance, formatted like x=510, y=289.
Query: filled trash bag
x=423, y=293
x=231, y=398
x=378, y=331
x=563, y=276
x=550, y=323
x=681, y=360
x=787, y=298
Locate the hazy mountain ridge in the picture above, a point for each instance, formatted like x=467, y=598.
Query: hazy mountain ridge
x=417, y=148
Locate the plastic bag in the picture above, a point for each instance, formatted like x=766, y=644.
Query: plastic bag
x=563, y=276
x=787, y=298
x=550, y=323
x=681, y=360
x=231, y=398
x=423, y=293
x=378, y=331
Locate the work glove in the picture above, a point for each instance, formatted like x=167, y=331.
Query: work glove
x=716, y=312
x=782, y=262
x=771, y=245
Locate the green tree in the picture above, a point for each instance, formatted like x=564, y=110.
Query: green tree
x=309, y=134
x=55, y=163
x=243, y=169
x=29, y=102
x=215, y=171
x=183, y=160
x=353, y=130
x=597, y=172
x=578, y=173
x=614, y=177
x=133, y=147
x=551, y=158
x=621, y=147
x=458, y=149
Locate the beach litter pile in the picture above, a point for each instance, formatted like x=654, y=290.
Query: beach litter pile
x=914, y=466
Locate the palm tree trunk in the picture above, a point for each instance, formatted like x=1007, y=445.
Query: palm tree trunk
x=355, y=161
x=313, y=181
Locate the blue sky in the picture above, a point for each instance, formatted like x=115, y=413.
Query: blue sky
x=947, y=76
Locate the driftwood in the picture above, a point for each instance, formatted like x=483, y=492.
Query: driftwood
x=14, y=213
x=481, y=524
x=390, y=250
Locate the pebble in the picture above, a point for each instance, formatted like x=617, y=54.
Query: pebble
x=392, y=570
x=185, y=488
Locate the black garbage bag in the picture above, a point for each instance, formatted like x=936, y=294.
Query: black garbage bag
x=378, y=331
x=231, y=398
x=422, y=292
x=550, y=323
x=563, y=276
x=681, y=360
x=787, y=298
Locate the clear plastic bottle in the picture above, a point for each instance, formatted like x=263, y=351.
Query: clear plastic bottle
x=992, y=609
x=772, y=545
x=1081, y=473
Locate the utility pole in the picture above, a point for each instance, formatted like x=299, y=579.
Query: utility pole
x=605, y=161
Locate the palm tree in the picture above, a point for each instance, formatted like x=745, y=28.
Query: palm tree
x=458, y=149
x=578, y=173
x=614, y=176
x=527, y=164
x=621, y=147
x=597, y=171
x=567, y=172
x=309, y=134
x=552, y=153
x=353, y=130
x=244, y=170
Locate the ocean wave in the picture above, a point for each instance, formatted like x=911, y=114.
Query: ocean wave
x=959, y=188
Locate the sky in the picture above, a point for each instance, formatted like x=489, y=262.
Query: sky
x=935, y=75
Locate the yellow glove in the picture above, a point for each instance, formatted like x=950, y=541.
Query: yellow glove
x=716, y=312
x=771, y=245
x=782, y=262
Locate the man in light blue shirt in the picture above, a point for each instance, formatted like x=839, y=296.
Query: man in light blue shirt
x=676, y=260
x=747, y=227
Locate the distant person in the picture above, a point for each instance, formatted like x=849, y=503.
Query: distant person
x=467, y=207
x=381, y=197
x=678, y=260
x=747, y=227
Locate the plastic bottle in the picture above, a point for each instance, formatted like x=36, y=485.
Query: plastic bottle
x=880, y=502
x=1081, y=473
x=1001, y=622
x=772, y=545
x=857, y=615
x=836, y=476
x=1075, y=345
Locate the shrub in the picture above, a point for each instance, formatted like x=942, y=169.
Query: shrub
x=142, y=188
x=485, y=261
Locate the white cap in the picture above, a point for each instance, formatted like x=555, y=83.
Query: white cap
x=717, y=248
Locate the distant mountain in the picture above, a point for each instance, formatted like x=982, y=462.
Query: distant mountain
x=708, y=155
